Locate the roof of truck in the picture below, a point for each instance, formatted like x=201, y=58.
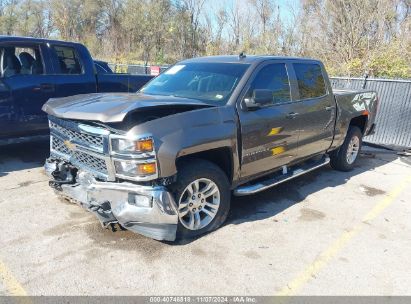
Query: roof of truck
x=31, y=39
x=247, y=59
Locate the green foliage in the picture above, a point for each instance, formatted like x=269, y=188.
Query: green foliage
x=391, y=63
x=355, y=36
x=354, y=66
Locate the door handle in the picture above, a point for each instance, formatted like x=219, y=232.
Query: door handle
x=44, y=87
x=47, y=87
x=329, y=108
x=292, y=115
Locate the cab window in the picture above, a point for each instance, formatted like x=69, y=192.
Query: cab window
x=20, y=61
x=68, y=60
x=310, y=80
x=273, y=77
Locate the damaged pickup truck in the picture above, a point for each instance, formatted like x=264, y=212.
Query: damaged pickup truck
x=165, y=161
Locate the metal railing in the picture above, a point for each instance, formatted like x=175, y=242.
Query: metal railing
x=134, y=69
x=393, y=121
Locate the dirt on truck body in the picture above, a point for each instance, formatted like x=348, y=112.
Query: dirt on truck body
x=165, y=161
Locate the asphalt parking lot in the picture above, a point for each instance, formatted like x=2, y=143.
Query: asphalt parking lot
x=326, y=233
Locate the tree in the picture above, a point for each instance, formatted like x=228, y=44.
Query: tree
x=350, y=36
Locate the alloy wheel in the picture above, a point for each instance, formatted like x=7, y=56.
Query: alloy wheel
x=198, y=204
x=353, y=150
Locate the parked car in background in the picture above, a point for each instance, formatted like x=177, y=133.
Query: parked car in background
x=164, y=162
x=34, y=70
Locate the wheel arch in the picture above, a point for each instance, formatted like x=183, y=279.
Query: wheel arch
x=221, y=157
x=360, y=122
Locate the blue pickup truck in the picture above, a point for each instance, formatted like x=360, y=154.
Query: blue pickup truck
x=35, y=70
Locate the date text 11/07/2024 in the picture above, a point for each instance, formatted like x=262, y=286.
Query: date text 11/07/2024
x=203, y=299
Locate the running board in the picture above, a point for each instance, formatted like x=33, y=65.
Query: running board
x=278, y=179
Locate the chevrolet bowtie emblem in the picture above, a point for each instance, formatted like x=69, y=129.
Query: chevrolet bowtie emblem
x=70, y=145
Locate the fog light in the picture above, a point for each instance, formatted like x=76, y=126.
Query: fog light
x=140, y=200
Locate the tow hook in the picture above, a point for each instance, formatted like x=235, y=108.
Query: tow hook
x=114, y=228
x=63, y=174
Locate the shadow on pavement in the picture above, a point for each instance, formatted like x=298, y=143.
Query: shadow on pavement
x=277, y=199
x=23, y=156
x=243, y=209
x=273, y=201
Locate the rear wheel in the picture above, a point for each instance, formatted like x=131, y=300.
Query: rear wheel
x=203, y=196
x=346, y=156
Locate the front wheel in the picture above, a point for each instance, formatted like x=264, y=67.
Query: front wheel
x=203, y=195
x=344, y=158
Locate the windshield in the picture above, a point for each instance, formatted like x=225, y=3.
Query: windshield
x=210, y=82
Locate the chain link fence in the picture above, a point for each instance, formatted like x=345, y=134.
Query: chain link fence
x=134, y=69
x=394, y=112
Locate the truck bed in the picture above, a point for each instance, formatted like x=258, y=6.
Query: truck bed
x=360, y=99
x=364, y=102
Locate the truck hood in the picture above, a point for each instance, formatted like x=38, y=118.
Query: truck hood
x=113, y=107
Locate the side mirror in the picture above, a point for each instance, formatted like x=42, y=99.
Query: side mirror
x=259, y=99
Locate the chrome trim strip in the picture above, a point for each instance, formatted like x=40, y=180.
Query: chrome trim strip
x=93, y=130
x=79, y=127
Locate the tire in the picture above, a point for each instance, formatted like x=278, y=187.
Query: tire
x=210, y=176
x=340, y=159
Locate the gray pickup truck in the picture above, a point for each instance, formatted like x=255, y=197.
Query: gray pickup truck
x=165, y=161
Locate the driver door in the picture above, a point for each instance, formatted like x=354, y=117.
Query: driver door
x=24, y=88
x=269, y=133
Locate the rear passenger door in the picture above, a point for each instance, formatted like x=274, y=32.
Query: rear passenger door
x=269, y=135
x=72, y=75
x=316, y=108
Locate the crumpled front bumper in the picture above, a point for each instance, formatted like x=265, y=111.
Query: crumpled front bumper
x=115, y=202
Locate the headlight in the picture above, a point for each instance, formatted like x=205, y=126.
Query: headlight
x=133, y=169
x=134, y=158
x=125, y=146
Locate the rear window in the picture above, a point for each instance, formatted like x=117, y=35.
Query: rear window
x=310, y=80
x=68, y=61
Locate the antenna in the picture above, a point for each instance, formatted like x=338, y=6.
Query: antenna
x=242, y=55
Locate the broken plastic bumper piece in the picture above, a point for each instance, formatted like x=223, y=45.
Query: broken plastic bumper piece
x=147, y=210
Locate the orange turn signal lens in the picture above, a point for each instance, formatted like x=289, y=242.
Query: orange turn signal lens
x=146, y=169
x=145, y=145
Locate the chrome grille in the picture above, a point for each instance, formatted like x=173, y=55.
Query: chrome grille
x=82, y=159
x=82, y=145
x=90, y=161
x=75, y=136
x=58, y=145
